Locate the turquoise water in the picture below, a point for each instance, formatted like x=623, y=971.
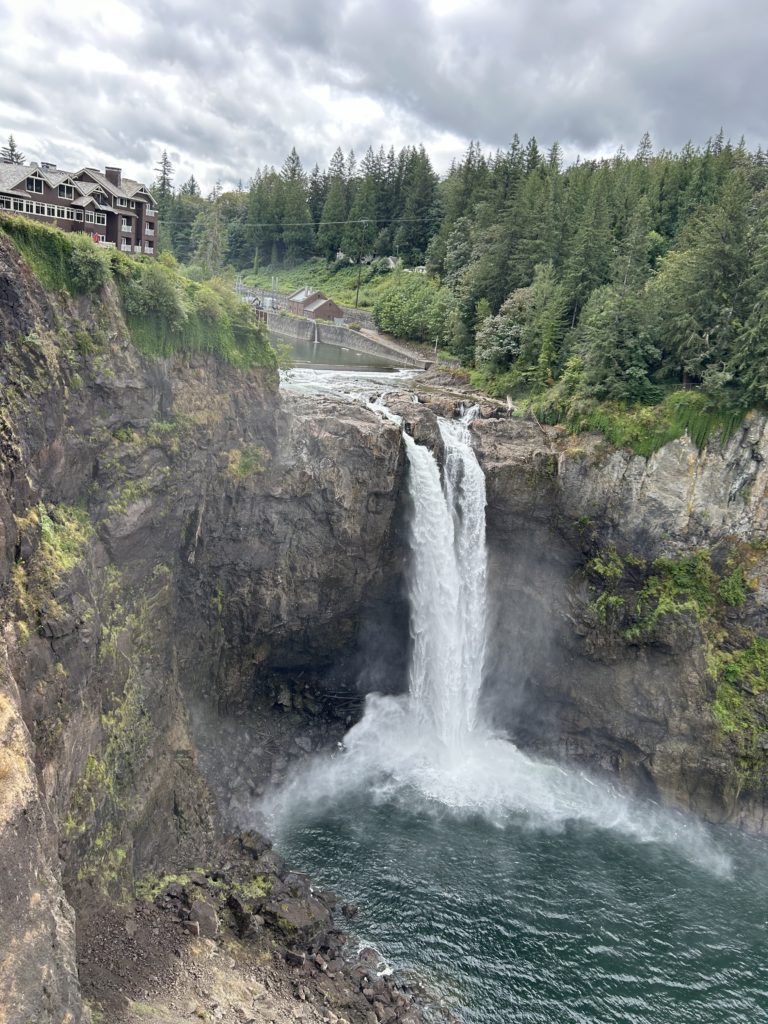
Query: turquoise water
x=524, y=924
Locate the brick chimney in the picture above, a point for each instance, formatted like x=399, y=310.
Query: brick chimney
x=115, y=175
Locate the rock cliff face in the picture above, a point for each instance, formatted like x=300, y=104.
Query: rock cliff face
x=169, y=529
x=630, y=596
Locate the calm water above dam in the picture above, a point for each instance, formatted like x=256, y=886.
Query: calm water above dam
x=322, y=356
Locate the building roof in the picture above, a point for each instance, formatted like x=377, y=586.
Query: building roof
x=303, y=295
x=312, y=306
x=54, y=175
x=131, y=187
x=126, y=190
x=12, y=175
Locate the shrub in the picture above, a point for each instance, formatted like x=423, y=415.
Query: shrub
x=61, y=261
x=89, y=266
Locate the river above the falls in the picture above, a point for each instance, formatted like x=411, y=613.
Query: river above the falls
x=321, y=356
x=526, y=924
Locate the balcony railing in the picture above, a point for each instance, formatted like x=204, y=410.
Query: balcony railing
x=126, y=248
x=149, y=212
x=149, y=231
x=149, y=249
x=126, y=229
x=137, y=248
x=107, y=245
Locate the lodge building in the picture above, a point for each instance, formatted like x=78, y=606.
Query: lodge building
x=117, y=212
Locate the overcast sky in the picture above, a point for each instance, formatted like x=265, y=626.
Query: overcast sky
x=228, y=86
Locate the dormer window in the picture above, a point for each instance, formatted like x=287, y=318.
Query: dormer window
x=35, y=185
x=66, y=192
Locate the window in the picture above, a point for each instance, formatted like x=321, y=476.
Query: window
x=35, y=185
x=122, y=202
x=132, y=204
x=40, y=209
x=101, y=218
x=18, y=204
x=50, y=211
x=66, y=192
x=78, y=214
x=5, y=204
x=29, y=207
x=89, y=216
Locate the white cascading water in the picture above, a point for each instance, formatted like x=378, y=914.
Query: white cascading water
x=429, y=747
x=447, y=583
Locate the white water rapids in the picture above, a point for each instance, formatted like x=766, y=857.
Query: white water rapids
x=429, y=750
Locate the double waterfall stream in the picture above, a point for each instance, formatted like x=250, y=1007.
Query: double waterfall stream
x=515, y=889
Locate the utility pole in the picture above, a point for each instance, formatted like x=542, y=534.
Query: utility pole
x=359, y=262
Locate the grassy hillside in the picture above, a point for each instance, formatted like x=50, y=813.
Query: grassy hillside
x=165, y=312
x=336, y=280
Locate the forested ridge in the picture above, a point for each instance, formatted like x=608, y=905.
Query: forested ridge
x=622, y=282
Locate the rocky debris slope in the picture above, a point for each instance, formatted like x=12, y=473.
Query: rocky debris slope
x=249, y=941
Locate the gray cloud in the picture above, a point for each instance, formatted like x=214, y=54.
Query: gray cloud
x=230, y=87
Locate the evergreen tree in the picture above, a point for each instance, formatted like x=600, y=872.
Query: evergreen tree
x=421, y=213
x=316, y=194
x=190, y=187
x=209, y=238
x=617, y=340
x=186, y=208
x=703, y=291
x=163, y=195
x=332, y=221
x=298, y=234
x=590, y=254
x=361, y=230
x=163, y=187
x=645, y=149
x=11, y=154
x=264, y=216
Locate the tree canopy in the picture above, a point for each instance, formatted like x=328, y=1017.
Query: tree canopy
x=617, y=279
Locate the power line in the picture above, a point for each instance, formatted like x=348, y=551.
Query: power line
x=310, y=223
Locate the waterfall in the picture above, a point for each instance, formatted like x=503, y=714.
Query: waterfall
x=429, y=750
x=447, y=583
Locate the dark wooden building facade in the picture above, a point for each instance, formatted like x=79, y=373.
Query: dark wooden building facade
x=313, y=304
x=322, y=308
x=113, y=210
